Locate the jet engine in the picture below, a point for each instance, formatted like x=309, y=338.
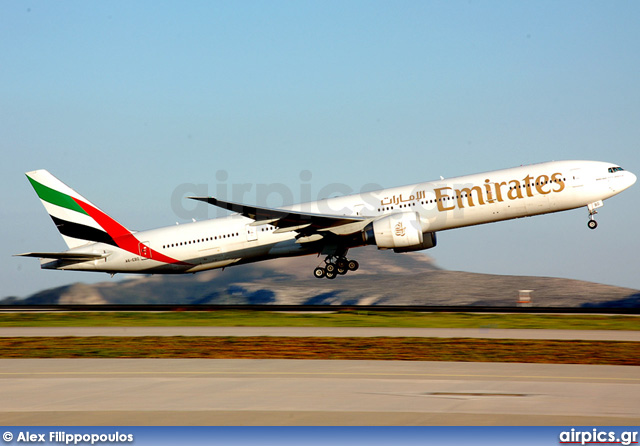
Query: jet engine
x=401, y=232
x=428, y=242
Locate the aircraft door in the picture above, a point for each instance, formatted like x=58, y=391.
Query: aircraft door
x=144, y=250
x=362, y=210
x=576, y=177
x=252, y=233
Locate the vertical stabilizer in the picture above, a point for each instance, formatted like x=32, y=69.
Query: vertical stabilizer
x=78, y=220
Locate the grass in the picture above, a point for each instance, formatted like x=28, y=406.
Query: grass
x=381, y=348
x=231, y=318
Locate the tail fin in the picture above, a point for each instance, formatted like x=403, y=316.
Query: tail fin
x=78, y=220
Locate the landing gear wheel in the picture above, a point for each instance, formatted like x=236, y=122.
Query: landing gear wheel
x=341, y=271
x=352, y=265
x=330, y=275
x=341, y=263
x=330, y=268
x=592, y=224
x=319, y=272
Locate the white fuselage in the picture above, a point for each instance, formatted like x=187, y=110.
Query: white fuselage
x=441, y=205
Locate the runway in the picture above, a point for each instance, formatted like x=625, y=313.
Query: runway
x=486, y=333
x=308, y=392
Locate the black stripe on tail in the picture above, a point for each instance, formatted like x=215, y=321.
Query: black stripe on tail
x=82, y=232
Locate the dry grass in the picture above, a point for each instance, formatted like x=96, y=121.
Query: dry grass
x=380, y=348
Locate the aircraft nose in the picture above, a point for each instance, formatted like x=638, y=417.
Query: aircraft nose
x=631, y=179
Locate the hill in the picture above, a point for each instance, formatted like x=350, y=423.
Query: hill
x=384, y=278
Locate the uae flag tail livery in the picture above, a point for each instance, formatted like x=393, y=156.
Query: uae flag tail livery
x=81, y=224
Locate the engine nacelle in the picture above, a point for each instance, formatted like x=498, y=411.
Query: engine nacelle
x=428, y=242
x=401, y=232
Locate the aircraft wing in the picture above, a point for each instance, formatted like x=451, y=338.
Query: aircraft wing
x=78, y=256
x=286, y=220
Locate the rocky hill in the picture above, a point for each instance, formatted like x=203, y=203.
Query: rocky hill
x=384, y=278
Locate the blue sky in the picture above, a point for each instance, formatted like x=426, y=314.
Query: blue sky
x=129, y=101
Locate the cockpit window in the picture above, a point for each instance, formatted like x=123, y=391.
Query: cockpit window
x=615, y=169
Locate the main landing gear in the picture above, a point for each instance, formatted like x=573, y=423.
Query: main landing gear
x=335, y=266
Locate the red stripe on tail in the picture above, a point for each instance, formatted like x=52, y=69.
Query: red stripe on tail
x=123, y=237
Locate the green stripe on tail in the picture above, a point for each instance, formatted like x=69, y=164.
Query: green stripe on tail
x=54, y=197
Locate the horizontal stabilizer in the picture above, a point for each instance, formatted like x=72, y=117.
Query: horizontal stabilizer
x=79, y=256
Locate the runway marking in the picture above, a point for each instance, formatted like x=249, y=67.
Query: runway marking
x=433, y=375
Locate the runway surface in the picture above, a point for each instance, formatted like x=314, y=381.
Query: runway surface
x=309, y=392
x=488, y=333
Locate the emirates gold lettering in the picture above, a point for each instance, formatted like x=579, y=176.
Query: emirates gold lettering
x=541, y=181
x=441, y=197
x=514, y=190
x=527, y=183
x=487, y=186
x=468, y=193
x=557, y=178
x=492, y=193
x=498, y=191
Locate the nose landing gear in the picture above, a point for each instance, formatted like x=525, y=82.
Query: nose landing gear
x=592, y=223
x=335, y=266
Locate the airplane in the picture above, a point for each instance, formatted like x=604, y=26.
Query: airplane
x=404, y=219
